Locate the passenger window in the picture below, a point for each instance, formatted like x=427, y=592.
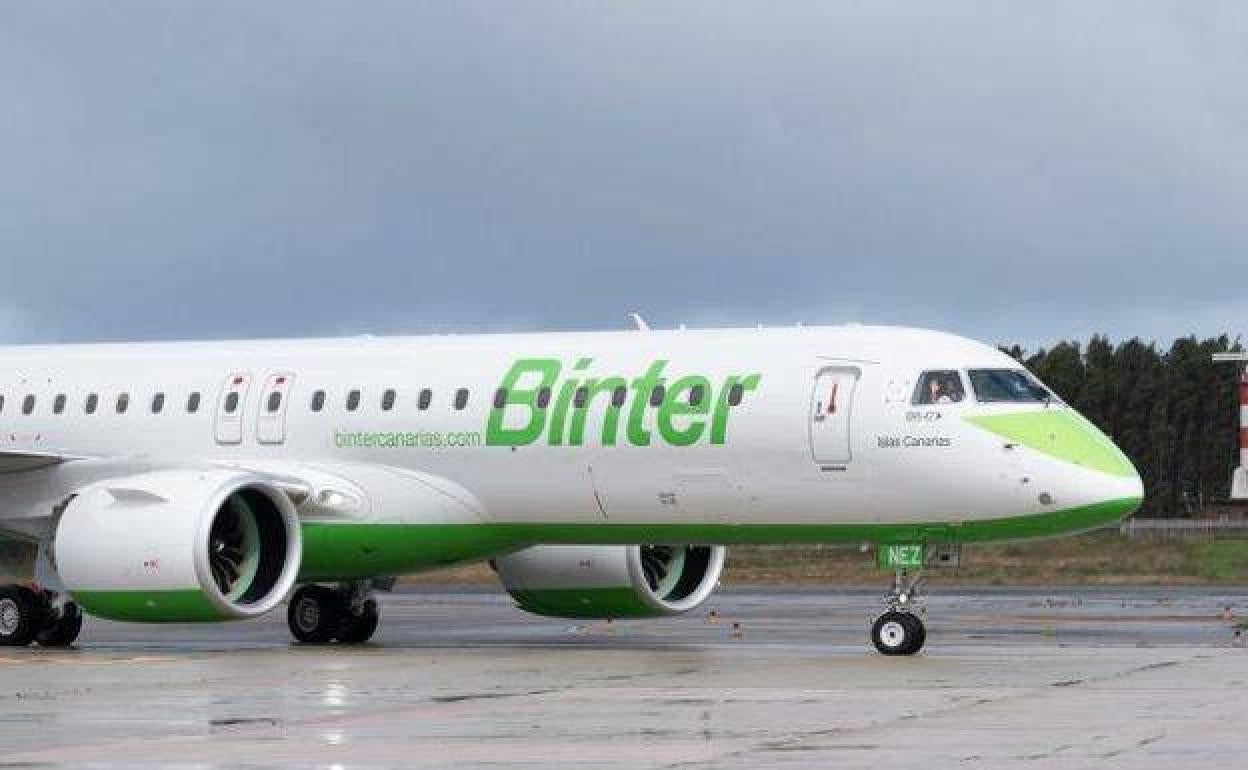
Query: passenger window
x=93, y=403
x=656, y=395
x=158, y=403
x=939, y=388
x=581, y=397
x=461, y=398
x=275, y=402
x=543, y=398
x=58, y=406
x=696, y=394
x=318, y=401
x=28, y=405
x=426, y=398
x=123, y=403
x=387, y=400
x=192, y=403
x=353, y=400
x=619, y=396
x=1, y=403
x=735, y=394
x=500, y=399
x=231, y=403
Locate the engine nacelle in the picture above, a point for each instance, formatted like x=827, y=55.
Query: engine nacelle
x=179, y=546
x=611, y=581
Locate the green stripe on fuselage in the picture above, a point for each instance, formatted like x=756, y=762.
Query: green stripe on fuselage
x=343, y=551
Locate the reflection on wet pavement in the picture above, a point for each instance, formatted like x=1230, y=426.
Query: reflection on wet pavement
x=1145, y=677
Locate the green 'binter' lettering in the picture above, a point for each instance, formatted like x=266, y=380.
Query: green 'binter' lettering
x=532, y=401
x=545, y=370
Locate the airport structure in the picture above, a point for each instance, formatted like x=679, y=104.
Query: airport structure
x=1239, y=478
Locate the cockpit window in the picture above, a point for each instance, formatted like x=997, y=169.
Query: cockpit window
x=940, y=387
x=1007, y=386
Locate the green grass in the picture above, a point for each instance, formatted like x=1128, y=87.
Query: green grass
x=1222, y=560
x=1104, y=557
x=1096, y=558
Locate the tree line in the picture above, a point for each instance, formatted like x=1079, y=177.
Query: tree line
x=1175, y=412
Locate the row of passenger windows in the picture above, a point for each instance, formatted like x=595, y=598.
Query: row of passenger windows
x=389, y=398
x=619, y=395
x=91, y=404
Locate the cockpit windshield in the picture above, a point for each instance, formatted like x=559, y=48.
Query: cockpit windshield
x=1012, y=386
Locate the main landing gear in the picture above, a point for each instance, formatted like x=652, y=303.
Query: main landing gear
x=899, y=630
x=346, y=614
x=29, y=615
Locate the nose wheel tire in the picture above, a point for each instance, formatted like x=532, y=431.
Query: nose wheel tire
x=898, y=633
x=320, y=615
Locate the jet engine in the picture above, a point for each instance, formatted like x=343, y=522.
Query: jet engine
x=178, y=546
x=611, y=581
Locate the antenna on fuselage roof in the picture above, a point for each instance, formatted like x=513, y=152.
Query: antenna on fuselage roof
x=642, y=326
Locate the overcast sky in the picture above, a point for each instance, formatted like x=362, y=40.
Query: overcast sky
x=1009, y=171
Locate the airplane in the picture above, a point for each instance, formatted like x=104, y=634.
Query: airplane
x=601, y=474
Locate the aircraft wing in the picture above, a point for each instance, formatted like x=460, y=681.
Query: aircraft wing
x=12, y=461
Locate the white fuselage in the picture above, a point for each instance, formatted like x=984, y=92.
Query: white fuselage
x=826, y=433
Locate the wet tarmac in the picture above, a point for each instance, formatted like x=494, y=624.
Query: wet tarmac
x=1138, y=678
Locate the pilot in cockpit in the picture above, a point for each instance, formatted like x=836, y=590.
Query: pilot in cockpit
x=942, y=388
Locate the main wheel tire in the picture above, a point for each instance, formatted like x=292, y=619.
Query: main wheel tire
x=63, y=631
x=315, y=614
x=898, y=633
x=23, y=613
x=358, y=629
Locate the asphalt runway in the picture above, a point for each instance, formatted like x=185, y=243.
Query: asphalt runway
x=1139, y=678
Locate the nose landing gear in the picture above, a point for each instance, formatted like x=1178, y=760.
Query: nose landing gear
x=346, y=614
x=900, y=630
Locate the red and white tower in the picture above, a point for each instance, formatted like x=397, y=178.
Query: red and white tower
x=1239, y=479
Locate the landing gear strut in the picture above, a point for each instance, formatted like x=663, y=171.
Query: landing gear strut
x=899, y=630
x=32, y=615
x=346, y=614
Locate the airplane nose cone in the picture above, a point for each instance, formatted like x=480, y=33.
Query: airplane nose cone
x=1131, y=487
x=1120, y=483
x=1117, y=496
x=1066, y=435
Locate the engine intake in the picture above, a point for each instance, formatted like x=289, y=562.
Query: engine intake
x=611, y=581
x=179, y=546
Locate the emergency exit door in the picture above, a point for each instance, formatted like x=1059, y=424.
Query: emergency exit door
x=831, y=416
x=230, y=408
x=274, y=399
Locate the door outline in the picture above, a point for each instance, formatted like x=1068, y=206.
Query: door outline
x=831, y=404
x=271, y=425
x=229, y=424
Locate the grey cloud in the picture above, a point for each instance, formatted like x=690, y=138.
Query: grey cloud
x=235, y=169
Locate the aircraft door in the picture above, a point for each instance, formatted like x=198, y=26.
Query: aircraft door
x=271, y=422
x=831, y=415
x=230, y=408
